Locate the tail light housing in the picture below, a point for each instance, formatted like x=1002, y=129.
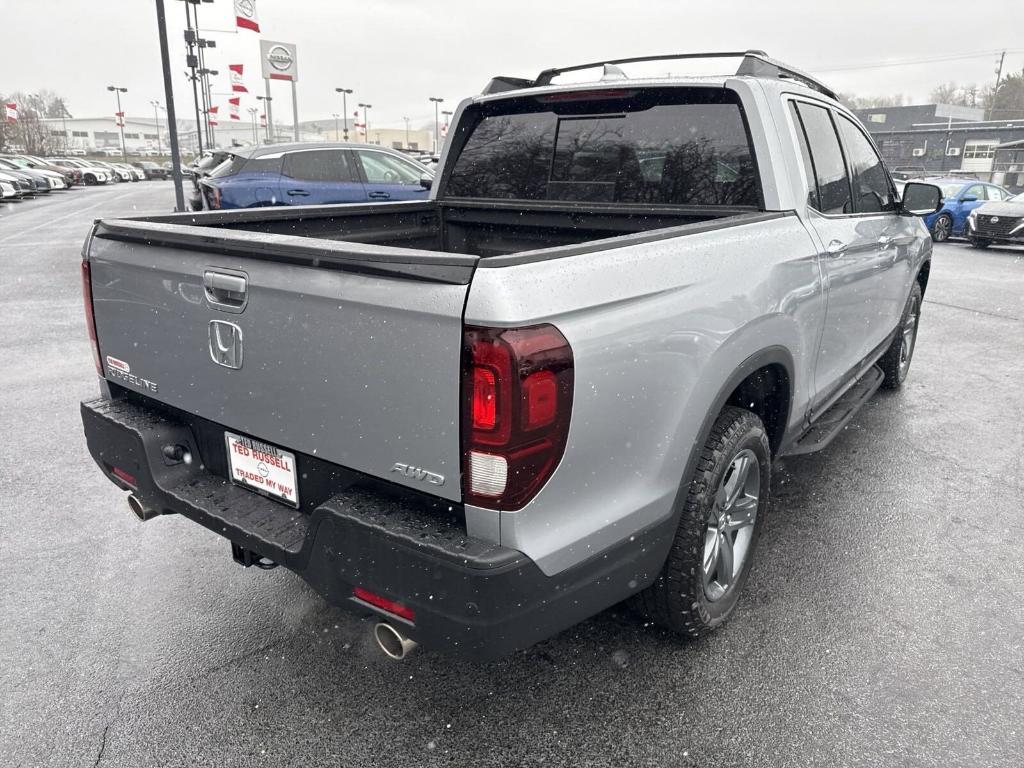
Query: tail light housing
x=212, y=196
x=90, y=318
x=517, y=387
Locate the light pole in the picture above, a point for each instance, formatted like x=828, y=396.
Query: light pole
x=437, y=104
x=270, y=127
x=446, y=115
x=156, y=116
x=64, y=121
x=337, y=133
x=120, y=118
x=406, y=132
x=344, y=107
x=366, y=121
x=252, y=115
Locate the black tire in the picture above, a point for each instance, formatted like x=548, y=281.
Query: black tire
x=977, y=242
x=942, y=228
x=893, y=364
x=678, y=599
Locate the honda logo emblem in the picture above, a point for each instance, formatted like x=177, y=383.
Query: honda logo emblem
x=226, y=344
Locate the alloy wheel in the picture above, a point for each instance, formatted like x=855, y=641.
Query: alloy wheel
x=730, y=525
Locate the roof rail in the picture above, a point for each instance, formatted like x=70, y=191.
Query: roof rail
x=754, y=63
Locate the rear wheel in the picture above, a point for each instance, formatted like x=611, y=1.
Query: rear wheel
x=942, y=228
x=895, y=363
x=720, y=522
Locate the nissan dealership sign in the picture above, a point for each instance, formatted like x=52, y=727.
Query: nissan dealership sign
x=279, y=61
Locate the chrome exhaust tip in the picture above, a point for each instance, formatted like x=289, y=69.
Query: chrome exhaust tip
x=394, y=644
x=140, y=510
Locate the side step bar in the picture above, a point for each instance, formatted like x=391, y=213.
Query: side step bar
x=832, y=421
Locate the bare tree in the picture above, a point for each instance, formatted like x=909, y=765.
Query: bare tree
x=852, y=101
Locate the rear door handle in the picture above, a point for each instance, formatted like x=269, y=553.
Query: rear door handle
x=298, y=193
x=379, y=195
x=226, y=291
x=836, y=248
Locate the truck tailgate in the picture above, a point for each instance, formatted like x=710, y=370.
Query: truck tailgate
x=357, y=367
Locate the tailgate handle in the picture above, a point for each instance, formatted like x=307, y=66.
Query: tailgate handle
x=226, y=291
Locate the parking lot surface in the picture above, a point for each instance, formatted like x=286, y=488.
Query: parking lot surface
x=883, y=623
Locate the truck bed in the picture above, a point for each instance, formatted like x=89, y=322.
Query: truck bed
x=422, y=230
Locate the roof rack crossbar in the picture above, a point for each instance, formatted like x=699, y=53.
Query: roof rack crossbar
x=755, y=63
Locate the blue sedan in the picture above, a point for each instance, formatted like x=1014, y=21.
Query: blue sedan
x=960, y=198
x=314, y=174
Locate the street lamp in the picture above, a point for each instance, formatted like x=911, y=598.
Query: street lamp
x=252, y=115
x=270, y=128
x=344, y=107
x=446, y=115
x=406, y=132
x=366, y=120
x=120, y=118
x=337, y=133
x=437, y=103
x=156, y=116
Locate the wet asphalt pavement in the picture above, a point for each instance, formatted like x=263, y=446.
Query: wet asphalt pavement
x=883, y=624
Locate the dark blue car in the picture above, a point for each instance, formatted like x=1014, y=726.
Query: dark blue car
x=961, y=196
x=313, y=174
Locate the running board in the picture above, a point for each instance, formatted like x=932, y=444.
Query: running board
x=832, y=421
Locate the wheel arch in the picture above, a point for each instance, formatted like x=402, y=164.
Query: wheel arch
x=922, y=275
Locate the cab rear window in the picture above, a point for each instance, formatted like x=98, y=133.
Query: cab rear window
x=680, y=146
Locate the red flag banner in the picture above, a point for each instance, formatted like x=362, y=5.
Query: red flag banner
x=233, y=107
x=245, y=15
x=237, y=84
x=213, y=115
x=11, y=112
x=263, y=120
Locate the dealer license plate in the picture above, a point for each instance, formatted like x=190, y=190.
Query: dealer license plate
x=262, y=467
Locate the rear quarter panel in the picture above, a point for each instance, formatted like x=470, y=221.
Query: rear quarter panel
x=657, y=329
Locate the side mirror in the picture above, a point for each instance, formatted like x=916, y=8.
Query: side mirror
x=921, y=199
x=969, y=199
x=426, y=181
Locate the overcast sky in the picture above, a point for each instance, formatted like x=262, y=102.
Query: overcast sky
x=396, y=53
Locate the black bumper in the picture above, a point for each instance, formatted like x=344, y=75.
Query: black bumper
x=470, y=598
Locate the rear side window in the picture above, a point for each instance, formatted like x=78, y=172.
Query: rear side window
x=805, y=153
x=229, y=167
x=683, y=146
x=873, y=193
x=827, y=156
x=319, y=165
x=270, y=164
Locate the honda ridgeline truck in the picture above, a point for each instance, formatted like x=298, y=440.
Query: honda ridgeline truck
x=558, y=384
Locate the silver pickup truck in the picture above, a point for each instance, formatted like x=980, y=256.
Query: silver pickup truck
x=558, y=384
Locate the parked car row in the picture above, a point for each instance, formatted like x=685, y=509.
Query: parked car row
x=20, y=178
x=307, y=174
x=964, y=200
x=23, y=176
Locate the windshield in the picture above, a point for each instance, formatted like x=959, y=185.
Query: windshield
x=684, y=146
x=950, y=190
x=229, y=167
x=20, y=162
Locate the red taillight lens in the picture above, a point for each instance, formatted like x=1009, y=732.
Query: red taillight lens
x=517, y=401
x=90, y=319
x=124, y=476
x=384, y=604
x=485, y=398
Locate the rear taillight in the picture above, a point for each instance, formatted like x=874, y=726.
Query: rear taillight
x=90, y=318
x=212, y=196
x=517, y=398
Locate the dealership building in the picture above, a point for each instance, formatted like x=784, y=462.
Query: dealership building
x=98, y=133
x=949, y=140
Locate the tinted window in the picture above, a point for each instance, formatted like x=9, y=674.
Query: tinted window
x=319, y=165
x=229, y=167
x=382, y=168
x=260, y=165
x=870, y=181
x=679, y=146
x=994, y=193
x=805, y=153
x=829, y=168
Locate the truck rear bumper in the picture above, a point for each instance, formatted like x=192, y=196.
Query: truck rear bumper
x=470, y=598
